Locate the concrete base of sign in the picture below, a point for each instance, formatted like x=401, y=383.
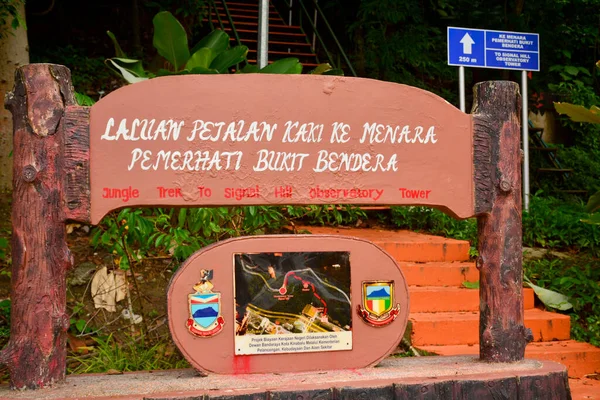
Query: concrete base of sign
x=463, y=377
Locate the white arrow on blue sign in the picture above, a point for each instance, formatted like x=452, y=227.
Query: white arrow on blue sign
x=493, y=49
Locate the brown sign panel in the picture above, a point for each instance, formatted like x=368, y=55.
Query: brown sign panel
x=287, y=303
x=278, y=139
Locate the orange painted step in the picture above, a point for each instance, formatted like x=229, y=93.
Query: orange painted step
x=439, y=273
x=304, y=64
x=237, y=24
x=284, y=53
x=272, y=32
x=434, y=299
x=405, y=245
x=447, y=328
x=290, y=44
x=585, y=389
x=237, y=9
x=580, y=358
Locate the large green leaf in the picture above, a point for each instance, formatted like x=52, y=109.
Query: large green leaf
x=249, y=69
x=289, y=65
x=593, y=219
x=133, y=65
x=579, y=113
x=593, y=203
x=321, y=68
x=202, y=58
x=229, y=58
x=118, y=51
x=337, y=72
x=129, y=69
x=170, y=39
x=471, y=285
x=550, y=298
x=202, y=70
x=326, y=69
x=216, y=40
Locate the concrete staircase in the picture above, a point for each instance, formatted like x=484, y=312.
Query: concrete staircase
x=445, y=316
x=284, y=40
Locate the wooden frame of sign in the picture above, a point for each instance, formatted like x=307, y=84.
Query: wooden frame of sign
x=253, y=139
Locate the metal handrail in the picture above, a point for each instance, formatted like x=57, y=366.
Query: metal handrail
x=337, y=42
x=235, y=33
x=312, y=22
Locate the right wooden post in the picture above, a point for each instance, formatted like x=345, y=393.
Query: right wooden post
x=497, y=159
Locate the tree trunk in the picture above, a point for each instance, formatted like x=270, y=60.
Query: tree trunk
x=14, y=52
x=36, y=352
x=497, y=157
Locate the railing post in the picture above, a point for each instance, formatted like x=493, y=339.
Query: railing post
x=262, y=51
x=497, y=159
x=314, y=38
x=36, y=352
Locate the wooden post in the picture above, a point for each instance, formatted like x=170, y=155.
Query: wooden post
x=36, y=352
x=497, y=158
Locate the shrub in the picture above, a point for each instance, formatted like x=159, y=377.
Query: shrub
x=578, y=279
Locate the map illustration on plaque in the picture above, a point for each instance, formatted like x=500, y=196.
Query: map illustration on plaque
x=292, y=302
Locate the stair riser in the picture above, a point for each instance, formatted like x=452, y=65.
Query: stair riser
x=274, y=36
x=307, y=62
x=454, y=332
x=426, y=252
x=251, y=23
x=249, y=10
x=439, y=274
x=453, y=301
x=580, y=358
x=294, y=47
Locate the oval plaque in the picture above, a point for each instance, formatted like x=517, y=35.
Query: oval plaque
x=287, y=303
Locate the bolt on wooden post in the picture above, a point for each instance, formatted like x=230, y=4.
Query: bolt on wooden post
x=497, y=160
x=36, y=352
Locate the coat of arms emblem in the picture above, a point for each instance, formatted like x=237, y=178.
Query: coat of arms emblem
x=377, y=306
x=205, y=308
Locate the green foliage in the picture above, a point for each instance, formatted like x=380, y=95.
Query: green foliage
x=471, y=285
x=83, y=99
x=585, y=161
x=550, y=298
x=4, y=320
x=397, y=42
x=579, y=113
x=78, y=325
x=578, y=279
x=211, y=55
x=3, y=247
x=435, y=222
x=135, y=234
x=170, y=39
x=88, y=74
x=552, y=223
x=129, y=356
x=9, y=16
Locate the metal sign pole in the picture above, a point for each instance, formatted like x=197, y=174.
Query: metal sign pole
x=461, y=88
x=263, y=34
x=525, y=123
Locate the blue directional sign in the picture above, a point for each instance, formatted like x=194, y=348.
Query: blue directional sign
x=493, y=49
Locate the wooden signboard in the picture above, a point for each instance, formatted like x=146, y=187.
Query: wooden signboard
x=287, y=303
x=261, y=139
x=274, y=139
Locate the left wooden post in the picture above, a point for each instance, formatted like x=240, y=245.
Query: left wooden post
x=36, y=352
